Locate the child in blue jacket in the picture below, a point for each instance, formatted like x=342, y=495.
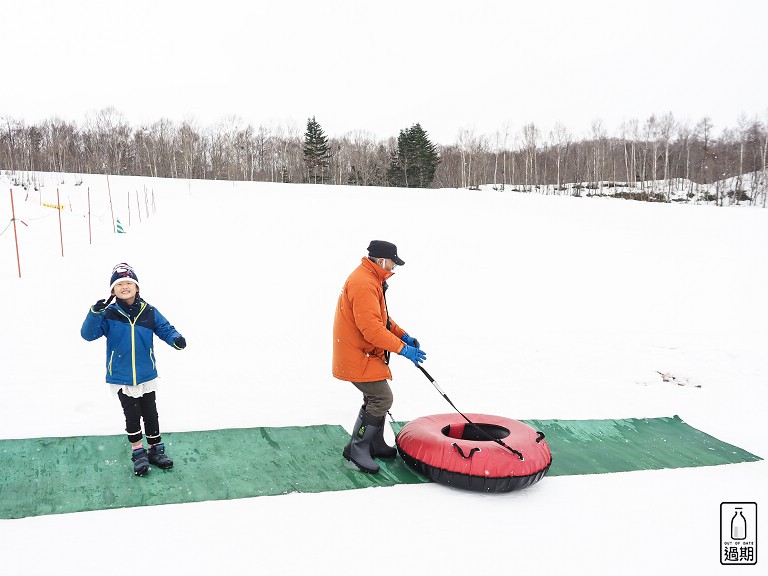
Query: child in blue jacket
x=129, y=325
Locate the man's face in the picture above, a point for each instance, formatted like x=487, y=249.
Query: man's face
x=387, y=264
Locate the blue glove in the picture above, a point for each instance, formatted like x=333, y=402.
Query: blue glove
x=413, y=354
x=180, y=343
x=410, y=341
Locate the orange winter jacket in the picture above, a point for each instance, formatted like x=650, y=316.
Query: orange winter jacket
x=360, y=334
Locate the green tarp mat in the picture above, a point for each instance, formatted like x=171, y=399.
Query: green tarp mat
x=41, y=476
x=58, y=475
x=602, y=446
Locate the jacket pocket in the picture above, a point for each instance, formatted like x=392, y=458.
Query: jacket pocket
x=109, y=364
x=152, y=357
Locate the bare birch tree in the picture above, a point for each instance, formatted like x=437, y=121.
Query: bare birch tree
x=666, y=129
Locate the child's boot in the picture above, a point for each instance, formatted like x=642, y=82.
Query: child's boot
x=158, y=458
x=140, y=462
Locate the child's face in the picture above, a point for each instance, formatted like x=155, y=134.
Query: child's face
x=125, y=291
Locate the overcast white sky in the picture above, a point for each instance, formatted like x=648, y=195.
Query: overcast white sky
x=383, y=66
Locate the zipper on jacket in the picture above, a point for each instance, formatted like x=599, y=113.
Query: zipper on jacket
x=384, y=287
x=133, y=339
x=109, y=364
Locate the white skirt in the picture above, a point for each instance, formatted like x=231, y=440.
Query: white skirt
x=135, y=391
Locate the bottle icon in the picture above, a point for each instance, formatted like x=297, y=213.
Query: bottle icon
x=738, y=525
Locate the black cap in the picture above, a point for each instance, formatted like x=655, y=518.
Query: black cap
x=384, y=249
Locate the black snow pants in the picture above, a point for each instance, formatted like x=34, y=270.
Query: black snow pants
x=136, y=409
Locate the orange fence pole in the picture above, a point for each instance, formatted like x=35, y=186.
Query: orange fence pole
x=90, y=237
x=61, y=233
x=15, y=237
x=114, y=229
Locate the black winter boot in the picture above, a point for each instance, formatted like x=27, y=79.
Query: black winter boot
x=355, y=428
x=360, y=447
x=379, y=447
x=158, y=458
x=140, y=462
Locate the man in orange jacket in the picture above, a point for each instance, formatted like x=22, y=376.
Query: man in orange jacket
x=363, y=337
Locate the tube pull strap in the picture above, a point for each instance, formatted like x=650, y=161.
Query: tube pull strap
x=471, y=452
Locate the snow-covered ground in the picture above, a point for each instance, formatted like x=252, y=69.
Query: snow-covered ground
x=749, y=189
x=529, y=306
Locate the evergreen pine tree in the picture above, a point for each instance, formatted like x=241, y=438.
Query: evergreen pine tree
x=317, y=152
x=415, y=161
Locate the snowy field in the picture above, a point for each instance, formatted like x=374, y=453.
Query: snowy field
x=528, y=306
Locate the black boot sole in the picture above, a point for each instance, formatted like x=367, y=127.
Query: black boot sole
x=386, y=457
x=361, y=468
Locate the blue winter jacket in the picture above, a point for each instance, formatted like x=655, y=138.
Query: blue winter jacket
x=130, y=353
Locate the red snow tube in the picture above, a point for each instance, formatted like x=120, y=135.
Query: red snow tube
x=447, y=449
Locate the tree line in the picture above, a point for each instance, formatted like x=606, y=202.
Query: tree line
x=657, y=148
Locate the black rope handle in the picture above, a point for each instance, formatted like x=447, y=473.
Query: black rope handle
x=540, y=437
x=471, y=452
x=483, y=432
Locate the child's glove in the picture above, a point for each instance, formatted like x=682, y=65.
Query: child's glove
x=180, y=343
x=100, y=306
x=410, y=341
x=413, y=354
